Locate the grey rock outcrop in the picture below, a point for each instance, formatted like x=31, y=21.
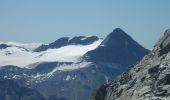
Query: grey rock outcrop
x=148, y=80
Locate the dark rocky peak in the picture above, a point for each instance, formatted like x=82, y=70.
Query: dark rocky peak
x=117, y=47
x=56, y=44
x=4, y=46
x=78, y=40
x=116, y=38
x=60, y=42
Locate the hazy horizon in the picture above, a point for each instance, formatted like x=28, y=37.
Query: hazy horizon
x=45, y=21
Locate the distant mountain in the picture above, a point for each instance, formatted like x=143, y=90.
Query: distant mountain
x=71, y=69
x=147, y=80
x=4, y=46
x=117, y=47
x=28, y=46
x=78, y=40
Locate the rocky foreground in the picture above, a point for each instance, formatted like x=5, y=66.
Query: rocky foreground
x=148, y=80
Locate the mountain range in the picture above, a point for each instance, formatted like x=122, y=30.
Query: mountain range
x=66, y=69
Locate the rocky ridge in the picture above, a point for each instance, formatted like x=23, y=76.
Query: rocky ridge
x=64, y=41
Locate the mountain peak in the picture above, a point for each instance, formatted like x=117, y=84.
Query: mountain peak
x=117, y=47
x=118, y=30
x=117, y=36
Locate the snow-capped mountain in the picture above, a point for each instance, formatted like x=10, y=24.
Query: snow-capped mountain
x=67, y=68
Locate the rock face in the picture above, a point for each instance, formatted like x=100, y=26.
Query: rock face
x=64, y=41
x=148, y=80
x=117, y=47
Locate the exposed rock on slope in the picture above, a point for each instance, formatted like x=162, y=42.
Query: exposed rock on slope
x=148, y=80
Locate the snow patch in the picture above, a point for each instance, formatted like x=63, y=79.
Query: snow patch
x=102, y=45
x=83, y=38
x=106, y=79
x=20, y=57
x=16, y=77
x=69, y=67
x=73, y=66
x=68, y=78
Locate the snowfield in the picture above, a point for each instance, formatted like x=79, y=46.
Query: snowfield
x=22, y=58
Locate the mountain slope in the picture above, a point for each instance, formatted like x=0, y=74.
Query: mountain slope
x=148, y=80
x=117, y=47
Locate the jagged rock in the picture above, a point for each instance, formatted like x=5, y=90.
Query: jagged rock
x=64, y=41
x=149, y=79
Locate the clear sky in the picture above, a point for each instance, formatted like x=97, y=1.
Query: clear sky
x=47, y=20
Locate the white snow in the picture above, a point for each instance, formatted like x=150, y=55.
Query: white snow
x=68, y=67
x=22, y=58
x=16, y=77
x=72, y=66
x=68, y=78
x=106, y=79
x=83, y=38
x=102, y=45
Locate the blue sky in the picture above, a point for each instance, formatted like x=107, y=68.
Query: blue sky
x=47, y=20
